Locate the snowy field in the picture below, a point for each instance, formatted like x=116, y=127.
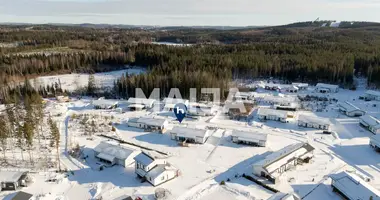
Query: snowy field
x=72, y=82
x=204, y=167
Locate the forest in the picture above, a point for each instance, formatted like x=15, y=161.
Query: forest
x=299, y=52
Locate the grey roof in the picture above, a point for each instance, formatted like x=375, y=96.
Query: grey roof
x=144, y=159
x=348, y=107
x=370, y=120
x=313, y=119
x=373, y=92
x=10, y=176
x=250, y=136
x=146, y=102
x=22, y=196
x=189, y=132
x=117, y=151
x=152, y=121
x=124, y=197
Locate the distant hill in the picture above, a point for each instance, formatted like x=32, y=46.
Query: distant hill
x=331, y=23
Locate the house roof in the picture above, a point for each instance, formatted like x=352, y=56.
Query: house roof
x=313, y=119
x=144, y=159
x=136, y=106
x=105, y=156
x=376, y=138
x=152, y=121
x=267, y=111
x=328, y=86
x=143, y=101
x=373, y=92
x=111, y=150
x=348, y=107
x=370, y=120
x=10, y=176
x=156, y=171
x=105, y=102
x=253, y=136
x=284, y=196
x=354, y=187
x=301, y=84
x=124, y=197
x=189, y=132
x=278, y=155
x=175, y=101
x=22, y=196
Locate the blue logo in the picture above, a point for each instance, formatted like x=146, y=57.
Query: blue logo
x=180, y=111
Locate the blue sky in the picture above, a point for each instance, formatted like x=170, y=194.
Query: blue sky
x=187, y=12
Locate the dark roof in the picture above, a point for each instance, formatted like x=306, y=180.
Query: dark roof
x=124, y=197
x=22, y=196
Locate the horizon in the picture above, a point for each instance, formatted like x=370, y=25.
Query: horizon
x=186, y=12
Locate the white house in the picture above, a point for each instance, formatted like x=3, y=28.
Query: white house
x=375, y=142
x=313, y=122
x=372, y=95
x=112, y=154
x=301, y=86
x=146, y=103
x=149, y=123
x=284, y=196
x=283, y=160
x=370, y=123
x=271, y=114
x=190, y=135
x=105, y=104
x=350, y=110
x=326, y=88
x=252, y=138
x=352, y=187
x=199, y=109
x=154, y=168
x=171, y=102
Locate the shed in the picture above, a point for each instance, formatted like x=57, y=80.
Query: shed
x=190, y=135
x=112, y=154
x=372, y=95
x=11, y=180
x=326, y=88
x=370, y=123
x=313, y=122
x=252, y=137
x=350, y=110
x=352, y=187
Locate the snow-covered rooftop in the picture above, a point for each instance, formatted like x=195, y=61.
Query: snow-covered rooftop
x=10, y=176
x=283, y=196
x=152, y=121
x=267, y=111
x=373, y=92
x=376, y=138
x=253, y=136
x=143, y=101
x=354, y=187
x=104, y=102
x=144, y=159
x=348, y=107
x=371, y=121
x=175, y=101
x=313, y=119
x=189, y=132
x=108, y=151
x=328, y=86
x=301, y=84
x=136, y=106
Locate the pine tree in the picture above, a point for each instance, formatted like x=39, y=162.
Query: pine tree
x=56, y=138
x=91, y=87
x=4, y=135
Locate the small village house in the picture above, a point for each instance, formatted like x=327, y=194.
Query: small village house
x=292, y=89
x=275, y=115
x=350, y=186
x=372, y=95
x=154, y=168
x=301, y=86
x=313, y=122
x=111, y=154
x=12, y=180
x=283, y=160
x=370, y=123
x=169, y=103
x=243, y=96
x=140, y=103
x=102, y=103
x=22, y=196
x=326, y=88
x=190, y=135
x=254, y=138
x=235, y=113
x=199, y=109
x=350, y=110
x=375, y=142
x=62, y=99
x=149, y=123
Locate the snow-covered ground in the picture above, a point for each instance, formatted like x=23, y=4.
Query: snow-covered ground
x=204, y=167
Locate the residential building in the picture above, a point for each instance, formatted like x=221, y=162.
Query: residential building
x=141, y=103
x=149, y=123
x=350, y=186
x=22, y=196
x=283, y=160
x=271, y=114
x=190, y=135
x=102, y=103
x=154, y=168
x=375, y=142
x=199, y=109
x=12, y=180
x=313, y=122
x=370, y=123
x=301, y=86
x=254, y=138
x=326, y=88
x=372, y=95
x=350, y=110
x=292, y=89
x=171, y=102
x=112, y=154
